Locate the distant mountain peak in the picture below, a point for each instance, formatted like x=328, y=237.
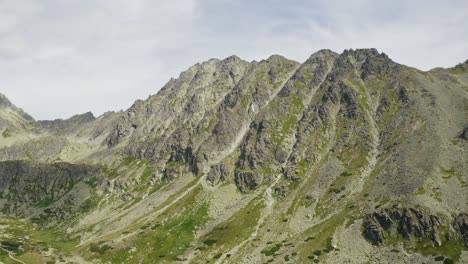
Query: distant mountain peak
x=4, y=101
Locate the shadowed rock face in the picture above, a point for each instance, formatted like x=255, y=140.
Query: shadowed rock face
x=24, y=183
x=461, y=225
x=407, y=222
x=411, y=223
x=464, y=134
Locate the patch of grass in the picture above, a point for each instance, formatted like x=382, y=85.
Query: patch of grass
x=129, y=161
x=55, y=239
x=134, y=201
x=146, y=175
x=29, y=240
x=420, y=191
x=110, y=173
x=323, y=234
x=271, y=251
x=175, y=236
x=90, y=203
x=233, y=231
x=6, y=133
x=170, y=236
x=447, y=173
x=46, y=202
x=346, y=173
x=210, y=125
x=92, y=182
x=4, y=258
x=101, y=249
x=451, y=249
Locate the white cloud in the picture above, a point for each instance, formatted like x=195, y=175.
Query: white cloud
x=59, y=58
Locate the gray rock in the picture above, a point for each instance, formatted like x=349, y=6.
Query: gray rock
x=464, y=134
x=218, y=172
x=281, y=155
x=461, y=225
x=373, y=232
x=247, y=180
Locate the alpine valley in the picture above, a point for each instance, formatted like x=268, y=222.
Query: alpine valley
x=345, y=158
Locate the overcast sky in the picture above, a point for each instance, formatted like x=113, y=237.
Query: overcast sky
x=59, y=58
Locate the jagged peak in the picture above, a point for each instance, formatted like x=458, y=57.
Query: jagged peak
x=232, y=58
x=364, y=53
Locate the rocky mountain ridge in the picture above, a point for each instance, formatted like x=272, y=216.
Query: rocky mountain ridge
x=248, y=162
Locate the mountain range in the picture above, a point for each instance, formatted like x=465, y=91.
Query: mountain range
x=345, y=158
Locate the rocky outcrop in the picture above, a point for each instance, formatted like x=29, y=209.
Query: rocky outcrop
x=411, y=223
x=128, y=122
x=219, y=172
x=464, y=134
x=461, y=225
x=246, y=180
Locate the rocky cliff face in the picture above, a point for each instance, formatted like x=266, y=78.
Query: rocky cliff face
x=248, y=162
x=24, y=185
x=410, y=223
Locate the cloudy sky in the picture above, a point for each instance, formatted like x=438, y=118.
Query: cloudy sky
x=59, y=58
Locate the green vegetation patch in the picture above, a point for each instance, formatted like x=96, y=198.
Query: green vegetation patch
x=28, y=240
x=232, y=232
x=146, y=175
x=6, y=133
x=447, y=173
x=170, y=235
x=322, y=234
x=271, y=250
x=101, y=249
x=449, y=249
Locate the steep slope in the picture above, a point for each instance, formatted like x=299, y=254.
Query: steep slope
x=12, y=116
x=13, y=120
x=346, y=157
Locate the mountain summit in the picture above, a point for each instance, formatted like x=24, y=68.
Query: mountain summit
x=345, y=158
